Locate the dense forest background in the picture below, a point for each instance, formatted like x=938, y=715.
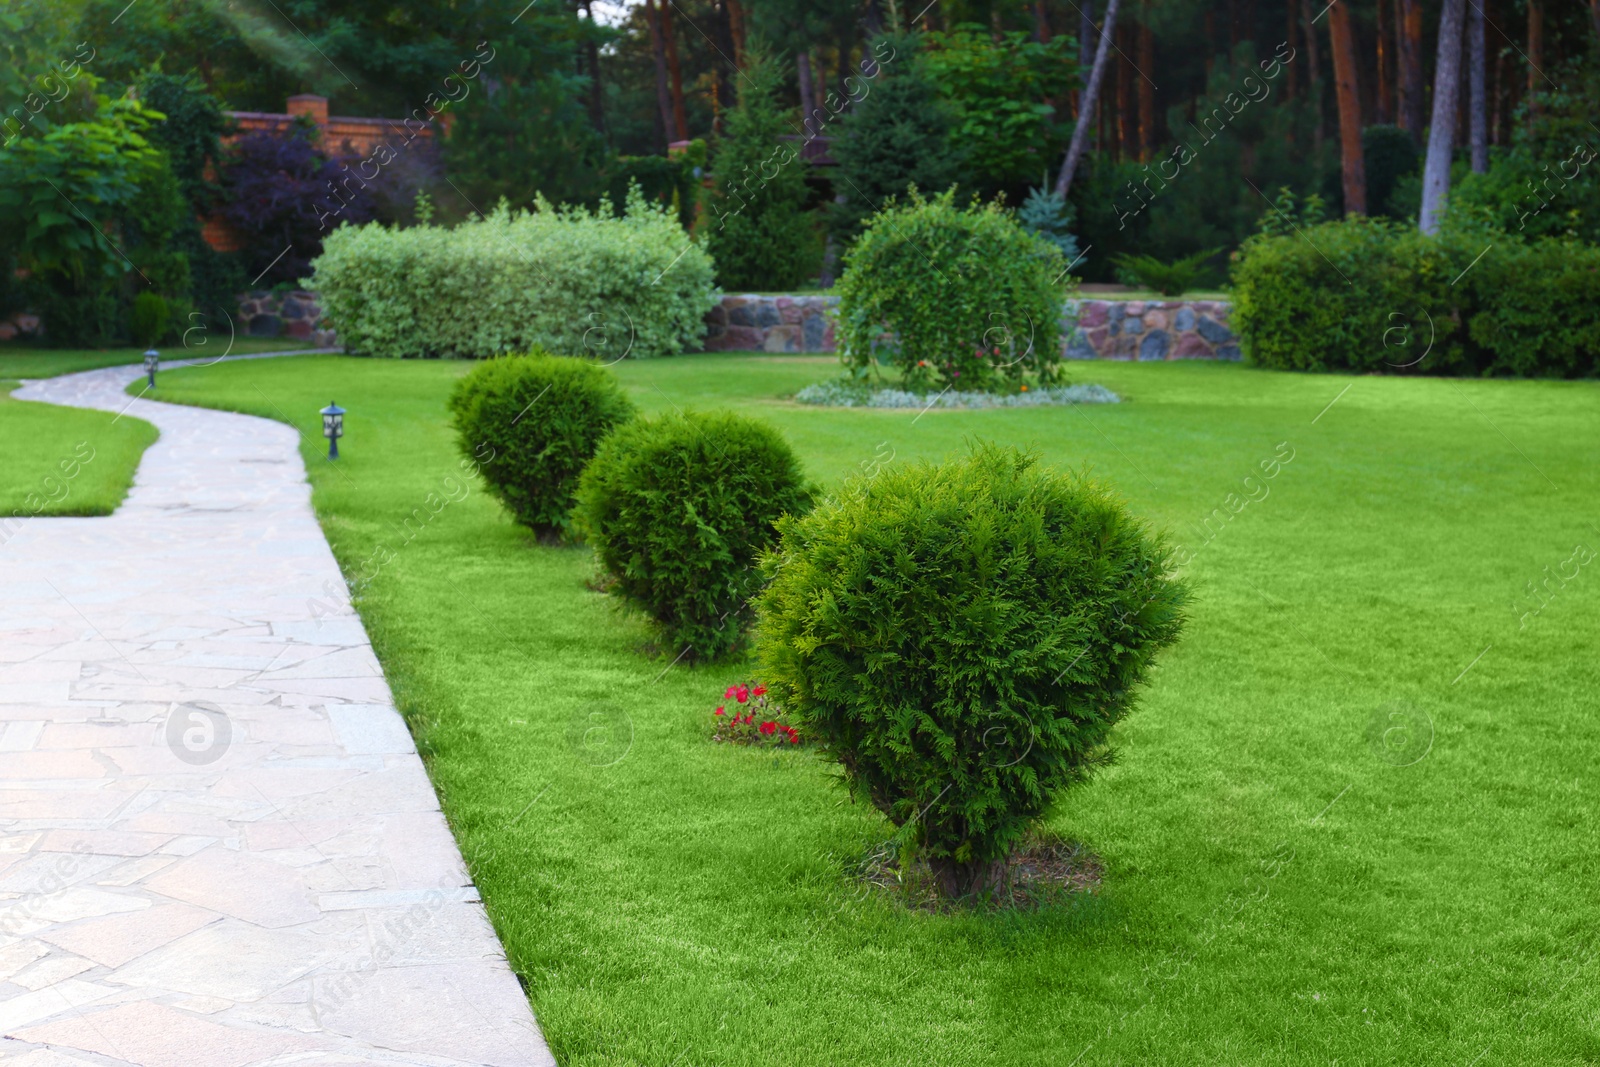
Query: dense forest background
x=1205, y=112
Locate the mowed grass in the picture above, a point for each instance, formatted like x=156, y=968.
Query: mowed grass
x=65, y=461
x=1278, y=889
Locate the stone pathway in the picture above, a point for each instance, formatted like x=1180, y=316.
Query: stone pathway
x=218, y=846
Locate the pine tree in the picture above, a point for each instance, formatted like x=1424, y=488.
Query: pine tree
x=896, y=137
x=758, y=232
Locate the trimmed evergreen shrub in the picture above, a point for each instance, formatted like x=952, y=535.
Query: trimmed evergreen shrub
x=969, y=299
x=530, y=424
x=678, y=509
x=961, y=638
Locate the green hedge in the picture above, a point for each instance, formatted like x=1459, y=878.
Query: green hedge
x=563, y=279
x=1376, y=296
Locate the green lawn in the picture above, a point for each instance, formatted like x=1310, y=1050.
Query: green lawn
x=1278, y=889
x=65, y=461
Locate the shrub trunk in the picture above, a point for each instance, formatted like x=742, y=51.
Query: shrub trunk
x=956, y=879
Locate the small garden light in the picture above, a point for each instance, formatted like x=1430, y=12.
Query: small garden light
x=333, y=428
x=152, y=360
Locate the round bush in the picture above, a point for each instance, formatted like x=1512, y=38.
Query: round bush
x=678, y=510
x=966, y=296
x=961, y=638
x=530, y=423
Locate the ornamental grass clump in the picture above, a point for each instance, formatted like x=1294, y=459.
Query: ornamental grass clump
x=961, y=638
x=530, y=424
x=678, y=509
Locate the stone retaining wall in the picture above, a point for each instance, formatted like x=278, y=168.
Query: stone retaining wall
x=1107, y=329
x=750, y=323
x=1151, y=329
x=297, y=313
x=746, y=322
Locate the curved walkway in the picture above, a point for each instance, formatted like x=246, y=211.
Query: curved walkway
x=218, y=846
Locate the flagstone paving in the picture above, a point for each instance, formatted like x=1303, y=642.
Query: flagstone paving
x=218, y=846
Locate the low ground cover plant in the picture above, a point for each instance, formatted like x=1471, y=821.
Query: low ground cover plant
x=529, y=424
x=958, y=297
x=961, y=638
x=565, y=279
x=678, y=508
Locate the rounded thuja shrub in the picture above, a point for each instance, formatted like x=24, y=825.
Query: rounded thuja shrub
x=961, y=638
x=530, y=424
x=679, y=509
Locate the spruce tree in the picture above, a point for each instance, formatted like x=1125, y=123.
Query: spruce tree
x=896, y=137
x=757, y=230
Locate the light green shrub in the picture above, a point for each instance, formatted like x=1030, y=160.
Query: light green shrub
x=564, y=279
x=960, y=297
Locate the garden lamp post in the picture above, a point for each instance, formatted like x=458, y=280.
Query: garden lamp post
x=152, y=359
x=333, y=428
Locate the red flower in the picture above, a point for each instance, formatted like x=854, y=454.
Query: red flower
x=759, y=691
x=728, y=694
x=717, y=712
x=794, y=739
x=769, y=727
x=741, y=694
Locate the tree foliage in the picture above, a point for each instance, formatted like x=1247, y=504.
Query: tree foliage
x=757, y=230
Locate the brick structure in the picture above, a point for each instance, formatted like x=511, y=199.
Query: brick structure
x=342, y=136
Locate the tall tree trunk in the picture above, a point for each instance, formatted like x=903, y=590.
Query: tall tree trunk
x=1125, y=115
x=591, y=63
x=1091, y=92
x=1290, y=70
x=1477, y=62
x=736, y=25
x=1041, y=22
x=1210, y=24
x=724, y=67
x=670, y=36
x=1408, y=24
x=1497, y=121
x=1147, y=92
x=1535, y=53
x=1085, y=52
x=1446, y=91
x=1314, y=58
x=1594, y=16
x=808, y=95
x=658, y=49
x=1385, y=94
x=1348, y=93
